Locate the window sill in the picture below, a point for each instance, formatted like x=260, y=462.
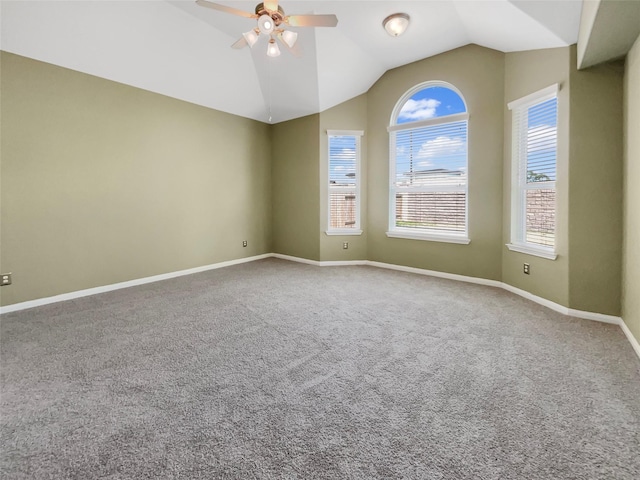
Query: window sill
x=529, y=250
x=430, y=237
x=343, y=232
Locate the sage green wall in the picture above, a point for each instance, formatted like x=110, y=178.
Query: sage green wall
x=595, y=188
x=350, y=115
x=295, y=147
x=103, y=183
x=479, y=74
x=526, y=73
x=631, y=189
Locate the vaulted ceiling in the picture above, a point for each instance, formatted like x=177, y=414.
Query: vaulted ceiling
x=182, y=50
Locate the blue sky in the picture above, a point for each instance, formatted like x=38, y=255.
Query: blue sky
x=342, y=154
x=431, y=102
x=542, y=137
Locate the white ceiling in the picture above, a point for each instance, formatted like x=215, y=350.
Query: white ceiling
x=182, y=50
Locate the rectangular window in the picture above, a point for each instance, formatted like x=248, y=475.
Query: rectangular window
x=344, y=182
x=429, y=181
x=533, y=184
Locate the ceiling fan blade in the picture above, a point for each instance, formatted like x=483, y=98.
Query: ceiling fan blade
x=240, y=43
x=311, y=20
x=222, y=8
x=271, y=5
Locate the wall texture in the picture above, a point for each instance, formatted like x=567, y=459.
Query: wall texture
x=103, y=183
x=595, y=188
x=631, y=201
x=296, y=187
x=526, y=73
x=350, y=115
x=479, y=74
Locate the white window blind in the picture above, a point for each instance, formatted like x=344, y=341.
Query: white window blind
x=428, y=165
x=344, y=173
x=430, y=178
x=534, y=162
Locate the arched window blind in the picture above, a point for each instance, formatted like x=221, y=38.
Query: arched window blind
x=428, y=165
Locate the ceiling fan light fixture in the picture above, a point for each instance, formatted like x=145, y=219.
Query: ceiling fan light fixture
x=396, y=24
x=251, y=37
x=271, y=22
x=289, y=38
x=266, y=24
x=272, y=48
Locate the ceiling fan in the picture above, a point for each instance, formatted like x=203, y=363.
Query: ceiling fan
x=271, y=22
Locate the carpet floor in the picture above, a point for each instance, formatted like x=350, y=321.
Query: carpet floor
x=274, y=369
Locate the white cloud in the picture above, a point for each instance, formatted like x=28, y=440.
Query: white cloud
x=441, y=146
x=425, y=164
x=419, y=109
x=345, y=153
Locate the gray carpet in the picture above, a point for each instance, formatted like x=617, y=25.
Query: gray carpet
x=281, y=370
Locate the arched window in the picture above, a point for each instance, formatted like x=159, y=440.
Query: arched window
x=428, y=165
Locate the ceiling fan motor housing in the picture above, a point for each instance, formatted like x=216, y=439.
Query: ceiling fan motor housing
x=276, y=16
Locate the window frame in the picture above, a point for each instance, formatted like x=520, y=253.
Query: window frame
x=425, y=234
x=357, y=229
x=519, y=185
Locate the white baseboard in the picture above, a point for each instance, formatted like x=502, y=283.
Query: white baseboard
x=598, y=317
x=329, y=263
x=343, y=263
x=632, y=340
x=535, y=298
x=391, y=266
x=296, y=259
x=130, y=283
x=433, y=273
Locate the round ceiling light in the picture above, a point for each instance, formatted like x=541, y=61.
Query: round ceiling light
x=396, y=24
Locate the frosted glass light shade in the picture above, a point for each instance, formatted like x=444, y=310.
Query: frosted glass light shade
x=396, y=24
x=251, y=37
x=272, y=48
x=289, y=38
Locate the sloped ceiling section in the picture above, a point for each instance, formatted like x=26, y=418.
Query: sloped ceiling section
x=150, y=45
x=607, y=31
x=179, y=49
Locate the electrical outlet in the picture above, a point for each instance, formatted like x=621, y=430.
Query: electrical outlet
x=526, y=269
x=345, y=245
x=244, y=243
x=6, y=279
